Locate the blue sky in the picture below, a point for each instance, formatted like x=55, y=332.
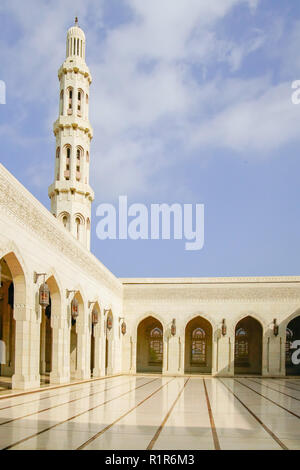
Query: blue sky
x=190, y=103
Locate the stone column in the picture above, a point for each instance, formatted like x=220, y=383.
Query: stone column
x=83, y=371
x=27, y=354
x=265, y=354
x=132, y=354
x=172, y=358
x=273, y=355
x=60, y=350
x=110, y=352
x=224, y=360
x=99, y=368
x=42, y=344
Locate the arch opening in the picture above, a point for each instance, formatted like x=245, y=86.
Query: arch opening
x=198, y=346
x=95, y=310
x=46, y=343
x=248, y=347
x=46, y=331
x=149, y=356
x=7, y=324
x=12, y=293
x=74, y=336
x=108, y=343
x=291, y=355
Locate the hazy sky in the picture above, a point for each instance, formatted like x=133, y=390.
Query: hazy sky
x=190, y=103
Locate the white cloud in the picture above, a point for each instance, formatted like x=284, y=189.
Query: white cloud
x=259, y=125
x=151, y=86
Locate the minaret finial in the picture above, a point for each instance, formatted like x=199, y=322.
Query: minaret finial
x=76, y=20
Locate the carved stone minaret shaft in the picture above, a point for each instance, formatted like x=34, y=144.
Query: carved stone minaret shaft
x=71, y=195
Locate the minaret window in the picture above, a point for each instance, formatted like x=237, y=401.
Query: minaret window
x=78, y=229
x=57, y=166
x=64, y=218
x=79, y=153
x=61, y=103
x=70, y=101
x=68, y=157
x=79, y=104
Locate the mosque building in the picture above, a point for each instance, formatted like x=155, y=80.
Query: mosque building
x=65, y=316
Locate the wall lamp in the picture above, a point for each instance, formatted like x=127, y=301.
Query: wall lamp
x=69, y=292
x=173, y=327
x=275, y=327
x=224, y=327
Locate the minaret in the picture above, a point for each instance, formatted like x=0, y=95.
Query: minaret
x=71, y=195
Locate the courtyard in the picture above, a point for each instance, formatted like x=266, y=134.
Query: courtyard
x=155, y=413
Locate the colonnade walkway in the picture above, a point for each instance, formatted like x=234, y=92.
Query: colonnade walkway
x=155, y=412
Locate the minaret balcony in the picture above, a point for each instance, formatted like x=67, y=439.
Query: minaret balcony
x=66, y=186
x=73, y=121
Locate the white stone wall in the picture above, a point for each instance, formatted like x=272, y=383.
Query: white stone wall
x=39, y=243
x=213, y=299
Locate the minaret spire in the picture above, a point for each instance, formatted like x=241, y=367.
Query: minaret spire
x=71, y=195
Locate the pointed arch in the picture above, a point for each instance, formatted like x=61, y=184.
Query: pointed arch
x=196, y=314
x=284, y=323
x=150, y=351
x=248, y=346
x=19, y=271
x=291, y=337
x=246, y=314
x=157, y=317
x=14, y=299
x=198, y=346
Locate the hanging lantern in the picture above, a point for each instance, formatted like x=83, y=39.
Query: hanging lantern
x=109, y=322
x=44, y=296
x=95, y=317
x=173, y=327
x=224, y=327
x=123, y=328
x=74, y=309
x=275, y=327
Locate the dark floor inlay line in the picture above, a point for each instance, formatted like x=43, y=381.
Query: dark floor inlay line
x=286, y=386
x=49, y=389
x=274, y=389
x=94, y=385
x=269, y=399
x=268, y=430
x=58, y=405
x=159, y=430
x=76, y=416
x=93, y=438
x=212, y=421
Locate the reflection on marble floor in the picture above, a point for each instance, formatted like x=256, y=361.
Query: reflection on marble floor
x=153, y=412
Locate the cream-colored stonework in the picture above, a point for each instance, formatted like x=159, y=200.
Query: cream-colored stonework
x=34, y=240
x=71, y=195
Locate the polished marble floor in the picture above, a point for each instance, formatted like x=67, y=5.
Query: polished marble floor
x=152, y=412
